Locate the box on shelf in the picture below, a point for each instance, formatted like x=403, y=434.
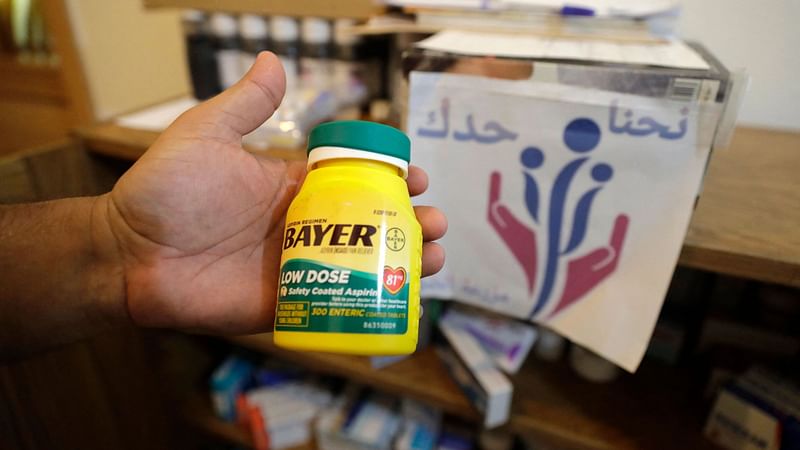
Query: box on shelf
x=360, y=420
x=474, y=371
x=420, y=428
x=758, y=410
x=227, y=382
x=506, y=340
x=276, y=404
x=281, y=415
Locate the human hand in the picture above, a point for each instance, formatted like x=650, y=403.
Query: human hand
x=197, y=223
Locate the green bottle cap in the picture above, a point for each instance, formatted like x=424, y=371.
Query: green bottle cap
x=361, y=135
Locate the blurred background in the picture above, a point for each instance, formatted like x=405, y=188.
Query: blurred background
x=77, y=62
x=86, y=86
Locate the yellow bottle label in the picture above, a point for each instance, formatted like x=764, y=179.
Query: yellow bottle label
x=351, y=256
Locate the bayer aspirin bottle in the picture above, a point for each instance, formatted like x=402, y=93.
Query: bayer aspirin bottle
x=352, y=248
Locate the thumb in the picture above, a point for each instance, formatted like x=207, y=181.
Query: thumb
x=241, y=108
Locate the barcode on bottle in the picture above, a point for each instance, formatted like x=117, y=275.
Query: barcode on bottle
x=684, y=89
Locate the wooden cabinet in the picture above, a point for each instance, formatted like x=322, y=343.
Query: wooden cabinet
x=43, y=97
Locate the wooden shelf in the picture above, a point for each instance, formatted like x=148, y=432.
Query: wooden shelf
x=112, y=140
x=129, y=144
x=745, y=224
x=357, y=9
x=652, y=409
x=422, y=376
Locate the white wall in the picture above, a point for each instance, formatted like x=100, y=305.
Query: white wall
x=762, y=36
x=132, y=57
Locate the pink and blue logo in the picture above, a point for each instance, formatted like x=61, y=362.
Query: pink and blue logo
x=584, y=271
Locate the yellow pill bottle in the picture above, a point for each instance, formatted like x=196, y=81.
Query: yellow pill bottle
x=352, y=246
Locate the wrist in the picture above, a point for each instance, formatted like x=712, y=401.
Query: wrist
x=106, y=284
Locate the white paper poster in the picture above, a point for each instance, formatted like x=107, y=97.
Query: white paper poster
x=566, y=206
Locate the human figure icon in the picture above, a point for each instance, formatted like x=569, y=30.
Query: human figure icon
x=581, y=137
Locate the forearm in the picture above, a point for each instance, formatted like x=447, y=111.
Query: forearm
x=60, y=280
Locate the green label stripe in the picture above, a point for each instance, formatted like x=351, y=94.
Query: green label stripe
x=313, y=296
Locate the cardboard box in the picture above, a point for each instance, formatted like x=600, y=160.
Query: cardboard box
x=758, y=411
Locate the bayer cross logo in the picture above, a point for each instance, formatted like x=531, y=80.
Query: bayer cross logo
x=395, y=239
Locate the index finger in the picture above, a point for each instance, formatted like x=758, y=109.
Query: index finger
x=417, y=180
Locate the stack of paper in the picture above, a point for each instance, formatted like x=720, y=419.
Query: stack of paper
x=597, y=8
x=668, y=54
x=156, y=118
x=641, y=21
